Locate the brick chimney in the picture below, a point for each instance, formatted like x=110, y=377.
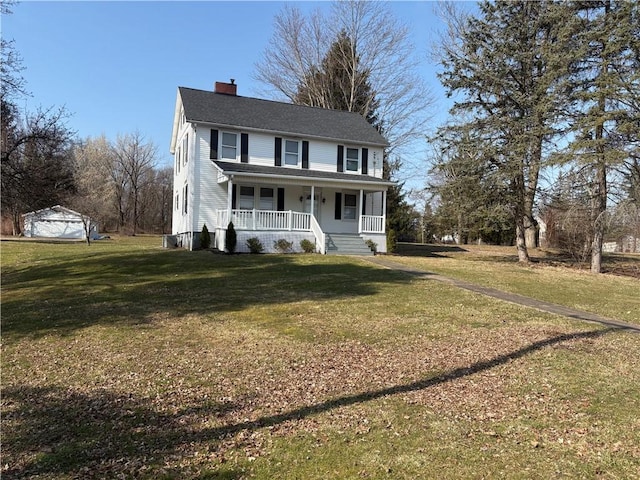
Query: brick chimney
x=226, y=88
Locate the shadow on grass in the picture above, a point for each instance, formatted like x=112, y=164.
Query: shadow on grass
x=102, y=287
x=427, y=250
x=54, y=431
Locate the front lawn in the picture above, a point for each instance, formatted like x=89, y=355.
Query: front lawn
x=125, y=360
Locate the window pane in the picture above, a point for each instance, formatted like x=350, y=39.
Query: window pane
x=266, y=199
x=246, y=198
x=290, y=152
x=349, y=200
x=291, y=147
x=352, y=159
x=228, y=152
x=349, y=211
x=229, y=145
x=229, y=139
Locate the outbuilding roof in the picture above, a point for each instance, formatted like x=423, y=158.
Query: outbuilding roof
x=201, y=106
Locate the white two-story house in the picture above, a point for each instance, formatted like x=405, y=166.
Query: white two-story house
x=276, y=171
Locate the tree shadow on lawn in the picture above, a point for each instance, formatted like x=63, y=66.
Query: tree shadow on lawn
x=427, y=250
x=103, y=434
x=134, y=288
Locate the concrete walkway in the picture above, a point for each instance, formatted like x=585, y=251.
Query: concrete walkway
x=506, y=296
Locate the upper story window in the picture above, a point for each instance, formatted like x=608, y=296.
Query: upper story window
x=185, y=149
x=229, y=145
x=353, y=159
x=291, y=152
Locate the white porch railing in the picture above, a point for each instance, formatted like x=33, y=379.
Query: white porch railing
x=372, y=224
x=265, y=220
x=319, y=234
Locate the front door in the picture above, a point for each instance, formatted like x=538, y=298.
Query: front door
x=316, y=202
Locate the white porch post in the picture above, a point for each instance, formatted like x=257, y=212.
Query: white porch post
x=384, y=211
x=229, y=200
x=313, y=193
x=360, y=212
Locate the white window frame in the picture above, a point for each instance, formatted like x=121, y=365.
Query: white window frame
x=224, y=146
x=348, y=208
x=286, y=154
x=347, y=159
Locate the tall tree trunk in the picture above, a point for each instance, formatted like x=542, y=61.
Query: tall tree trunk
x=521, y=244
x=600, y=197
x=530, y=231
x=518, y=190
x=533, y=172
x=598, y=216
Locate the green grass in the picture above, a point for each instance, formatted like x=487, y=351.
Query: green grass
x=545, y=278
x=126, y=360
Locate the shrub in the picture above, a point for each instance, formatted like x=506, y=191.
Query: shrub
x=231, y=239
x=283, y=246
x=254, y=245
x=372, y=245
x=205, y=237
x=392, y=241
x=307, y=246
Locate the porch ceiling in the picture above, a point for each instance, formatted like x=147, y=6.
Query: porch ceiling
x=300, y=176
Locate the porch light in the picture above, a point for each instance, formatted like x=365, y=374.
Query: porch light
x=324, y=200
x=301, y=198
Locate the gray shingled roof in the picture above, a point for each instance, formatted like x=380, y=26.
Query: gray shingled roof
x=248, y=168
x=285, y=118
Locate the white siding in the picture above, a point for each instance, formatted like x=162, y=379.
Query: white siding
x=212, y=195
x=261, y=149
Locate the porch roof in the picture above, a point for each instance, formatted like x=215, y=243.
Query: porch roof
x=305, y=176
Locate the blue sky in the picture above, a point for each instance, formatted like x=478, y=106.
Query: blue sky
x=116, y=66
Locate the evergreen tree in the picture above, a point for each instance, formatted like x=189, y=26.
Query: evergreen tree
x=473, y=202
x=341, y=82
x=603, y=90
x=504, y=64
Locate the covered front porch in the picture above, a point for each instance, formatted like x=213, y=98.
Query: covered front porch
x=296, y=204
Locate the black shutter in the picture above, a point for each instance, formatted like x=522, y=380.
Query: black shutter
x=305, y=154
x=364, y=202
x=213, y=145
x=280, y=206
x=244, y=147
x=233, y=196
x=278, y=152
x=338, y=206
x=365, y=161
x=340, y=158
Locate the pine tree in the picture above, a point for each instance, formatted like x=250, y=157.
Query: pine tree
x=341, y=82
x=504, y=64
x=603, y=91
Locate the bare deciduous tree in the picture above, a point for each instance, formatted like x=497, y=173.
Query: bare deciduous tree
x=135, y=161
x=380, y=45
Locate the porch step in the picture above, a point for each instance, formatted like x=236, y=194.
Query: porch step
x=344, y=244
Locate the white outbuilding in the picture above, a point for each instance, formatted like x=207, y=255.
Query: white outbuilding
x=58, y=222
